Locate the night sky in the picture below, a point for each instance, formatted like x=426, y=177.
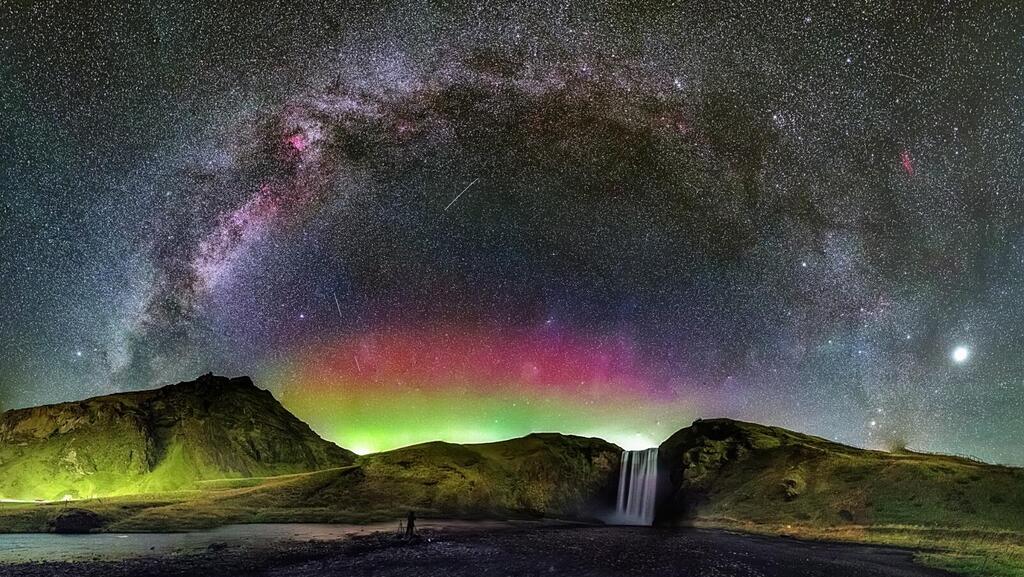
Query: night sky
x=427, y=220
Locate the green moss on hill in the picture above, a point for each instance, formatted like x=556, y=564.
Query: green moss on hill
x=157, y=440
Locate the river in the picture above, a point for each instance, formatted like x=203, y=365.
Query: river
x=20, y=547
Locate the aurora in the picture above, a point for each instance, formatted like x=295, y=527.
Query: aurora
x=380, y=390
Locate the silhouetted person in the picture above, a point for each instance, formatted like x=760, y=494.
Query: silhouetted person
x=410, y=525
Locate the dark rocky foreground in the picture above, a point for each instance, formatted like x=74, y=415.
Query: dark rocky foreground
x=577, y=551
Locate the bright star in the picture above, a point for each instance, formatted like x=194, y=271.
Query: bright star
x=960, y=354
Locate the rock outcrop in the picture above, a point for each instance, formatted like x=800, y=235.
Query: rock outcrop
x=76, y=521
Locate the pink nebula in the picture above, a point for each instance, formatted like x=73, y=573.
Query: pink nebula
x=298, y=142
x=907, y=162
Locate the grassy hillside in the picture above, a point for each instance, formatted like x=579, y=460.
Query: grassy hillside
x=546, y=475
x=538, y=475
x=157, y=440
x=220, y=450
x=729, y=469
x=724, y=473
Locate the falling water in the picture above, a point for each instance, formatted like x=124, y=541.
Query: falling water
x=638, y=483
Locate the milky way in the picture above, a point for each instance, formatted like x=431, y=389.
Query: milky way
x=474, y=221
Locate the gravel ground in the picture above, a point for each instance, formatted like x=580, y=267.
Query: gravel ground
x=574, y=551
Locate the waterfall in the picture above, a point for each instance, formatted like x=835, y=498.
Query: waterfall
x=638, y=484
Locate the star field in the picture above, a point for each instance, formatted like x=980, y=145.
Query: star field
x=472, y=221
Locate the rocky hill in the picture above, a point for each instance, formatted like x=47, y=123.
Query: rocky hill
x=728, y=470
x=168, y=438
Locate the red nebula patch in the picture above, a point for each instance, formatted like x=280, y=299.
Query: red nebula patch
x=298, y=142
x=907, y=162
